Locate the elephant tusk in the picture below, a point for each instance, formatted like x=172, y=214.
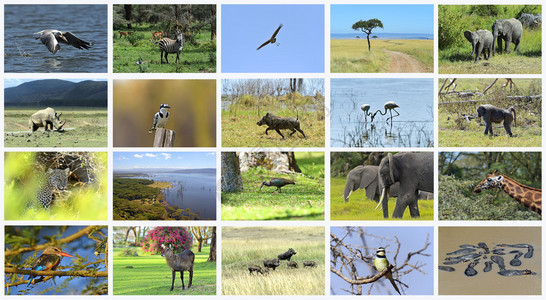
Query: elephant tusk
x=381, y=198
x=347, y=199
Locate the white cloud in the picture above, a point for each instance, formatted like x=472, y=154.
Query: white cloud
x=150, y=155
x=166, y=155
x=138, y=156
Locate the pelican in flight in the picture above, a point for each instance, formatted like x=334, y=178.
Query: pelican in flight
x=51, y=38
x=390, y=106
x=272, y=39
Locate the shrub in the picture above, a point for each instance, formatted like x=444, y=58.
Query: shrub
x=128, y=252
x=178, y=237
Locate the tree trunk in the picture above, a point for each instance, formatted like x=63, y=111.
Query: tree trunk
x=231, y=174
x=293, y=164
x=369, y=45
x=128, y=15
x=212, y=254
x=213, y=22
x=199, y=245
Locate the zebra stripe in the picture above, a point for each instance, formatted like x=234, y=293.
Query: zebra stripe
x=168, y=45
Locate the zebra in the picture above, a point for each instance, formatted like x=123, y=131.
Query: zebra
x=168, y=45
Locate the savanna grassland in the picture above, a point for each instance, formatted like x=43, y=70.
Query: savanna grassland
x=239, y=128
x=361, y=208
x=352, y=56
x=80, y=201
x=85, y=127
x=454, y=108
x=245, y=246
x=454, y=50
x=302, y=201
x=147, y=274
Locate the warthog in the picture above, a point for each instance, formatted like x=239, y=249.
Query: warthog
x=292, y=265
x=46, y=118
x=271, y=263
x=309, y=263
x=258, y=269
x=179, y=263
x=277, y=123
x=287, y=255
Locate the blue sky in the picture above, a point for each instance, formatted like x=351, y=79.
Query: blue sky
x=11, y=82
x=173, y=160
x=395, y=18
x=301, y=39
x=411, y=240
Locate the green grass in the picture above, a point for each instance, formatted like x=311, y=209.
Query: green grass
x=267, y=242
x=150, y=275
x=240, y=130
x=352, y=56
x=143, y=56
x=361, y=208
x=304, y=200
x=85, y=127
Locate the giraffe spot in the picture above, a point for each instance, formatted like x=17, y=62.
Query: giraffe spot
x=518, y=190
x=528, y=195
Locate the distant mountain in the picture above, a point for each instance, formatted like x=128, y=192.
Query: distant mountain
x=57, y=93
x=158, y=170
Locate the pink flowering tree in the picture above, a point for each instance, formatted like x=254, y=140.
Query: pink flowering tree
x=179, y=237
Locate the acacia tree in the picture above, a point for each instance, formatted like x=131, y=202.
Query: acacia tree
x=201, y=234
x=367, y=27
x=212, y=253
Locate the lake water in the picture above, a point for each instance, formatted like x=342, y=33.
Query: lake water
x=87, y=22
x=383, y=36
x=414, y=127
x=196, y=191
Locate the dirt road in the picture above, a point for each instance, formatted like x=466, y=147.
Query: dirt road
x=403, y=63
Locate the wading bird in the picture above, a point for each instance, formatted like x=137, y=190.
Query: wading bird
x=49, y=260
x=277, y=182
x=366, y=108
x=380, y=263
x=272, y=39
x=51, y=38
x=390, y=106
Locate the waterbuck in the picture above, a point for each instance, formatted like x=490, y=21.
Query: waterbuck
x=179, y=262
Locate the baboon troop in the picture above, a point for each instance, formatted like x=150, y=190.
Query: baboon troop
x=492, y=114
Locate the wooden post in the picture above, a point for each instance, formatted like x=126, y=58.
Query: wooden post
x=164, y=137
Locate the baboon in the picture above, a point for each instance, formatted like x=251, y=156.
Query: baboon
x=287, y=255
x=493, y=114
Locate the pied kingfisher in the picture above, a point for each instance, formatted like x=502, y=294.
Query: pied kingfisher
x=161, y=117
x=380, y=263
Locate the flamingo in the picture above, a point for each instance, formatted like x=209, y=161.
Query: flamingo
x=366, y=108
x=390, y=105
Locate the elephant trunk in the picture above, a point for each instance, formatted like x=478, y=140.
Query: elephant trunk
x=347, y=192
x=496, y=38
x=390, y=168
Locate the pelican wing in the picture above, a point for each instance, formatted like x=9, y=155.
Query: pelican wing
x=75, y=41
x=268, y=41
x=48, y=39
x=276, y=31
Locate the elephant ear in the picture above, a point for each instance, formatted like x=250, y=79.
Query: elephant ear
x=468, y=35
x=390, y=167
x=368, y=181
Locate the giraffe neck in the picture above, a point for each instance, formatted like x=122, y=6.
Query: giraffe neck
x=528, y=196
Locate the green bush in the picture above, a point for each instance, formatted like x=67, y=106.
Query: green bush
x=129, y=252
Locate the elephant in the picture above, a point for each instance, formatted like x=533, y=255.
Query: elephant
x=509, y=30
x=365, y=177
x=414, y=172
x=46, y=118
x=482, y=40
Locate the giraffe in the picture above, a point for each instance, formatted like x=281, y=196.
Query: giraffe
x=528, y=196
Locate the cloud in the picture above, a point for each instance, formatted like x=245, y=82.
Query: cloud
x=166, y=155
x=211, y=153
x=138, y=156
x=150, y=155
x=122, y=157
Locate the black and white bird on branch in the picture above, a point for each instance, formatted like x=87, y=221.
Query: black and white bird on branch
x=272, y=39
x=51, y=39
x=277, y=182
x=161, y=117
